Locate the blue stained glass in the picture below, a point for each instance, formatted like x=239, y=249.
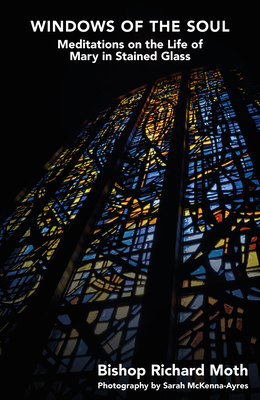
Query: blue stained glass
x=197, y=302
x=187, y=221
x=227, y=265
x=216, y=253
x=82, y=348
x=127, y=242
x=253, y=298
x=238, y=293
x=190, y=248
x=134, y=322
x=183, y=353
x=230, y=276
x=106, y=314
x=216, y=264
x=183, y=316
x=129, y=233
x=149, y=237
x=64, y=319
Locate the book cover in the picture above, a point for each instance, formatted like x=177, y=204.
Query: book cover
x=130, y=205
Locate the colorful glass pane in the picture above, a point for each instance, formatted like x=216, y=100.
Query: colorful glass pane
x=27, y=264
x=220, y=236
x=100, y=293
x=55, y=168
x=110, y=280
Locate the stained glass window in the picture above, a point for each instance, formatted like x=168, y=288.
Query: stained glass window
x=110, y=278
x=220, y=234
x=46, y=212
x=249, y=93
x=79, y=248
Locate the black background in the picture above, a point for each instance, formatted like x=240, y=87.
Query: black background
x=46, y=97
